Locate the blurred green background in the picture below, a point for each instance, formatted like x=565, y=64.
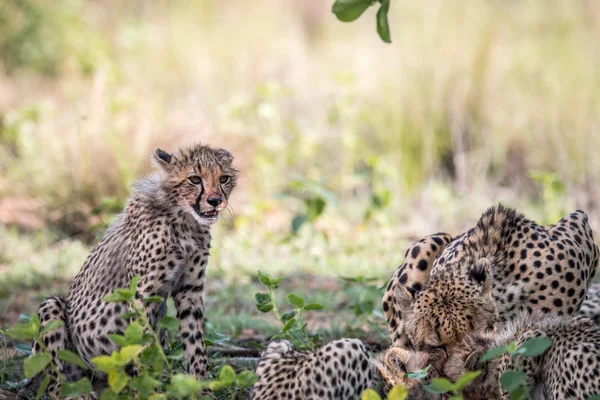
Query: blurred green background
x=349, y=148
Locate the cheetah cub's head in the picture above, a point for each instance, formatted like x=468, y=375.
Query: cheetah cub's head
x=199, y=179
x=452, y=304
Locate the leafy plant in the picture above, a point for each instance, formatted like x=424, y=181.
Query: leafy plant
x=294, y=328
x=397, y=393
x=515, y=382
x=364, y=297
x=351, y=10
x=444, y=385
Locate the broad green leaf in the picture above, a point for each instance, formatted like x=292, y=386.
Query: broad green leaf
x=397, y=393
x=176, y=355
x=534, y=347
x=144, y=384
x=520, y=393
x=275, y=282
x=227, y=374
x=43, y=387
x=128, y=353
x=350, y=10
x=23, y=348
x=134, y=332
x=510, y=380
x=74, y=389
x=25, y=331
x=183, y=385
x=370, y=394
x=50, y=326
x=71, y=358
x=313, y=306
x=493, y=353
x=442, y=384
x=105, y=363
x=129, y=314
x=289, y=325
x=151, y=357
x=434, y=390
x=315, y=207
x=297, y=222
x=465, y=379
x=315, y=339
x=117, y=380
x=383, y=28
x=265, y=307
x=36, y=364
x=418, y=375
x=153, y=299
x=262, y=298
x=287, y=316
x=169, y=323
x=133, y=284
x=114, y=297
x=296, y=300
x=246, y=379
x=264, y=279
x=118, y=339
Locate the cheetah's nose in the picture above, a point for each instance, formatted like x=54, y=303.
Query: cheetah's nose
x=214, y=199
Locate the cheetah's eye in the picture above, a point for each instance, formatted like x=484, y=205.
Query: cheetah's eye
x=224, y=179
x=195, y=180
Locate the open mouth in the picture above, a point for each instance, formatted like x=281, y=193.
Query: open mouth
x=209, y=214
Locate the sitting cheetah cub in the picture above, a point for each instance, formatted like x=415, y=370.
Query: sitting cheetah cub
x=163, y=235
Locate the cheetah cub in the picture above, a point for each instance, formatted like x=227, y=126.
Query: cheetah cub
x=163, y=235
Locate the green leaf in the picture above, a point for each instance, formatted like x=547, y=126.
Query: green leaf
x=153, y=299
x=227, y=374
x=264, y=279
x=262, y=298
x=397, y=393
x=313, y=306
x=465, y=379
x=315, y=339
x=170, y=324
x=144, y=384
x=50, y=326
x=315, y=207
x=275, y=282
x=246, y=379
x=36, y=364
x=105, y=363
x=296, y=300
x=520, y=393
x=118, y=339
x=493, y=353
x=25, y=331
x=434, y=390
x=23, y=348
x=297, y=222
x=287, y=316
x=114, y=297
x=71, y=358
x=350, y=10
x=265, y=307
x=383, y=28
x=151, y=357
x=289, y=325
x=117, y=380
x=43, y=387
x=158, y=396
x=418, y=375
x=133, y=284
x=74, y=389
x=134, y=333
x=370, y=394
x=534, y=347
x=178, y=354
x=442, y=384
x=128, y=353
x=510, y=380
x=595, y=397
x=183, y=385
x=129, y=314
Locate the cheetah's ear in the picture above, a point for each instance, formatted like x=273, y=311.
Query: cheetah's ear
x=224, y=155
x=481, y=274
x=163, y=159
x=403, y=297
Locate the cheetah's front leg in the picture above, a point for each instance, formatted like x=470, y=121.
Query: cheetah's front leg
x=190, y=313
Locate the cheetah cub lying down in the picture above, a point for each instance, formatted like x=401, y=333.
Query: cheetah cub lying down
x=163, y=235
x=569, y=369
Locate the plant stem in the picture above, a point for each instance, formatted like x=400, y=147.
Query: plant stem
x=275, y=309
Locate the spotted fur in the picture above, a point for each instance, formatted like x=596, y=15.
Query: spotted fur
x=531, y=268
x=163, y=235
x=339, y=370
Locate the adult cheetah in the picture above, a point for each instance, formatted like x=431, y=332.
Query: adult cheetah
x=163, y=235
x=532, y=268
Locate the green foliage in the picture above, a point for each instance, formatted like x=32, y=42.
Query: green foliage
x=351, y=10
x=139, y=346
x=515, y=382
x=443, y=385
x=364, y=299
x=397, y=393
x=294, y=328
